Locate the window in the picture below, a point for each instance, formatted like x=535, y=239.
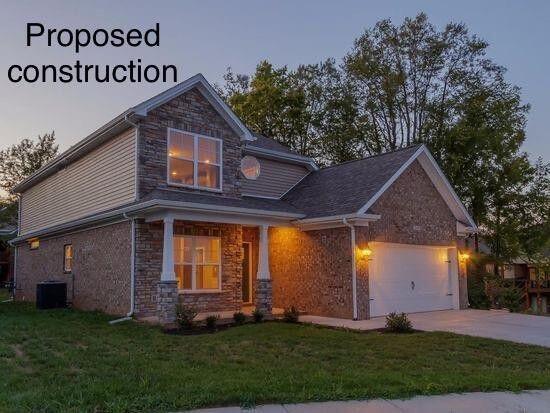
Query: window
x=67, y=258
x=250, y=167
x=194, y=160
x=197, y=262
x=34, y=244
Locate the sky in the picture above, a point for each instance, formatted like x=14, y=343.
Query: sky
x=208, y=36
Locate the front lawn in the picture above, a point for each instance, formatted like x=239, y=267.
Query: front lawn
x=68, y=361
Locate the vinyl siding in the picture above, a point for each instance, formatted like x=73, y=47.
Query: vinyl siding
x=101, y=180
x=275, y=179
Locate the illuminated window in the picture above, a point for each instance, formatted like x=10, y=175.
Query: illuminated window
x=197, y=262
x=34, y=244
x=250, y=167
x=68, y=258
x=194, y=160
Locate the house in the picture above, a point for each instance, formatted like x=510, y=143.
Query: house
x=176, y=200
x=532, y=277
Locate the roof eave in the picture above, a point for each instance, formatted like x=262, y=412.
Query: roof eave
x=278, y=155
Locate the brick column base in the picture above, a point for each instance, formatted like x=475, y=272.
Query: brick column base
x=264, y=296
x=167, y=300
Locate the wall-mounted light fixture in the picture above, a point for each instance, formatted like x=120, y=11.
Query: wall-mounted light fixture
x=364, y=252
x=464, y=256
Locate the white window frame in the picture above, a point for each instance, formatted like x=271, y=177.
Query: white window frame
x=193, y=263
x=195, y=160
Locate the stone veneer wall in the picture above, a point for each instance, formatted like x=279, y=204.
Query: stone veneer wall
x=149, y=241
x=189, y=112
x=101, y=267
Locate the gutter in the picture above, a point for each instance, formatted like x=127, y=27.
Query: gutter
x=353, y=268
x=152, y=204
x=289, y=157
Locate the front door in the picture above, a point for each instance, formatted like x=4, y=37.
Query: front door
x=247, y=272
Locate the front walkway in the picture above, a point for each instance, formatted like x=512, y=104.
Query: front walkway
x=528, y=402
x=502, y=325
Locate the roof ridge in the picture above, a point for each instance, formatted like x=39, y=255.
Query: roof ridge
x=371, y=156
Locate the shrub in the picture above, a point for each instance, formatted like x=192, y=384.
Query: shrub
x=239, y=317
x=211, y=321
x=477, y=293
x=185, y=315
x=398, y=323
x=291, y=315
x=511, y=297
x=258, y=316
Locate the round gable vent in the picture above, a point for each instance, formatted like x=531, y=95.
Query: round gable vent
x=250, y=167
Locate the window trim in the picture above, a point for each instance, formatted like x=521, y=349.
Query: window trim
x=195, y=160
x=65, y=271
x=194, y=289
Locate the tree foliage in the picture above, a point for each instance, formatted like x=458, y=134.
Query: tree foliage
x=21, y=160
x=406, y=84
x=18, y=162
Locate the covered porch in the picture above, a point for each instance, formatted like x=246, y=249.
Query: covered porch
x=215, y=261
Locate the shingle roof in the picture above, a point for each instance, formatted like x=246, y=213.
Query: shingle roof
x=345, y=188
x=268, y=143
x=274, y=205
x=336, y=190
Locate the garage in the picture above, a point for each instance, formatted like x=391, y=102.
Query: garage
x=412, y=278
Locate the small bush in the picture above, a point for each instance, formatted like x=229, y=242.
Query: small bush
x=185, y=315
x=398, y=323
x=211, y=321
x=239, y=318
x=258, y=316
x=511, y=298
x=477, y=294
x=291, y=315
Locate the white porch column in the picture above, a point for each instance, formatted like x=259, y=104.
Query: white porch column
x=168, y=273
x=263, y=254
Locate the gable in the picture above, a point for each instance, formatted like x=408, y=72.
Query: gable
x=191, y=112
x=200, y=83
x=413, y=211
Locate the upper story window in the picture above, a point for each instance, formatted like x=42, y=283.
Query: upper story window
x=194, y=160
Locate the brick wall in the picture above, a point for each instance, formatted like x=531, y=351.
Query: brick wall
x=312, y=270
x=149, y=241
x=190, y=112
x=101, y=268
x=412, y=212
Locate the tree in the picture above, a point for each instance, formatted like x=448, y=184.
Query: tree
x=18, y=162
x=21, y=160
x=309, y=109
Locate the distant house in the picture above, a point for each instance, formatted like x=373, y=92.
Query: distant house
x=527, y=275
x=177, y=200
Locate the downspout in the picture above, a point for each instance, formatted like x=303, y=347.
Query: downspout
x=353, y=268
x=133, y=230
x=132, y=272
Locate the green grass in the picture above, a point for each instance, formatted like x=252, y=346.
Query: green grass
x=69, y=361
x=4, y=294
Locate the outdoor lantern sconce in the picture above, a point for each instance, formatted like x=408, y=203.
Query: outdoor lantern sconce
x=464, y=256
x=364, y=252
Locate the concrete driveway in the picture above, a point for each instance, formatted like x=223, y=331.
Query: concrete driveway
x=502, y=325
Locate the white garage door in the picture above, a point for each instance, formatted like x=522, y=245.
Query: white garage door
x=410, y=278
